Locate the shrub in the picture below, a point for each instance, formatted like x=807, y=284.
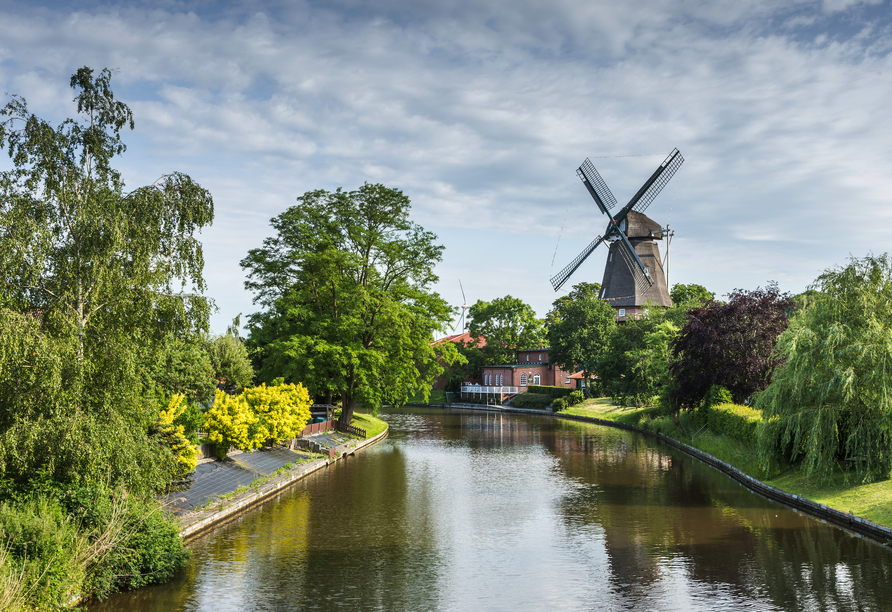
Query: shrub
x=717, y=395
x=173, y=435
x=575, y=398
x=231, y=422
x=559, y=405
x=283, y=410
x=735, y=421
x=532, y=400
x=552, y=391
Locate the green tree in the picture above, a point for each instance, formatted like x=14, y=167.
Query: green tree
x=105, y=277
x=182, y=365
x=832, y=397
x=579, y=328
x=682, y=294
x=229, y=358
x=349, y=311
x=508, y=324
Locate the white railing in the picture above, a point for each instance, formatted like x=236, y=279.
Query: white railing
x=480, y=389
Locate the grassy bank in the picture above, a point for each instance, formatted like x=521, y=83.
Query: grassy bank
x=372, y=425
x=438, y=396
x=870, y=501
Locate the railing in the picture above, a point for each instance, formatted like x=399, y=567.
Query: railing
x=314, y=428
x=481, y=390
x=349, y=429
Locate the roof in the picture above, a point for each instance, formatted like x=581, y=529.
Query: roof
x=464, y=338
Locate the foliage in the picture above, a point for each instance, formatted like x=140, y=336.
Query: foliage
x=283, y=410
x=191, y=419
x=717, y=395
x=174, y=435
x=552, y=391
x=532, y=400
x=182, y=366
x=559, y=405
x=690, y=294
x=575, y=398
x=579, y=328
x=634, y=367
x=729, y=345
x=105, y=276
x=134, y=541
x=832, y=398
x=470, y=367
x=508, y=324
x=346, y=283
x=739, y=422
x=229, y=359
x=232, y=422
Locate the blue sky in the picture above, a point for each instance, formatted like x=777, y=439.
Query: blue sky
x=481, y=113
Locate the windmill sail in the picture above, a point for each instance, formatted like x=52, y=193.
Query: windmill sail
x=640, y=274
x=654, y=185
x=561, y=277
x=596, y=186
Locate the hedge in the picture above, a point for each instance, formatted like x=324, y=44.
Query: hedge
x=735, y=421
x=551, y=391
x=532, y=400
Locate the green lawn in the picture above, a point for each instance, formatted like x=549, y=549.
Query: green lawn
x=870, y=501
x=372, y=425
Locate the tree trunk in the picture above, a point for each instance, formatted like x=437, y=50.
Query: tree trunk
x=347, y=405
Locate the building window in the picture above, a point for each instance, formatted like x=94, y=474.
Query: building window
x=523, y=380
x=528, y=356
x=536, y=379
x=567, y=380
x=540, y=357
x=500, y=380
x=622, y=312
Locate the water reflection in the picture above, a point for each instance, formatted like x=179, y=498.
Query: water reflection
x=482, y=511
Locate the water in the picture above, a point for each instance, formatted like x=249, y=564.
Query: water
x=481, y=511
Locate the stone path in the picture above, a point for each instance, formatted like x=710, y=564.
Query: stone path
x=213, y=477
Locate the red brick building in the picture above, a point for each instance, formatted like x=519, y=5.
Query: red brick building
x=532, y=368
x=466, y=340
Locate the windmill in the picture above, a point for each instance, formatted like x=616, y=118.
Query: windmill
x=633, y=262
x=464, y=308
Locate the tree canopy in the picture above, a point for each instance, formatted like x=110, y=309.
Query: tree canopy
x=730, y=345
x=579, y=328
x=94, y=279
x=832, y=397
x=508, y=324
x=691, y=293
x=349, y=311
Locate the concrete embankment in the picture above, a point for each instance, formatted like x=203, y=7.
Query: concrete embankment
x=199, y=522
x=854, y=524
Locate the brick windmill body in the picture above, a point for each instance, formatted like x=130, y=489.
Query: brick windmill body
x=633, y=275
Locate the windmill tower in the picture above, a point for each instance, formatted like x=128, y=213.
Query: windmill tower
x=634, y=274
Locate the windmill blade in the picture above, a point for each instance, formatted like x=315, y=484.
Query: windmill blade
x=464, y=300
x=596, y=186
x=654, y=185
x=561, y=277
x=640, y=273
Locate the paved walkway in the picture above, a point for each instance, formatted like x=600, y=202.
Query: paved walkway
x=214, y=477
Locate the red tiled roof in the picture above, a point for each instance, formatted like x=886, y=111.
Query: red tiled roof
x=464, y=338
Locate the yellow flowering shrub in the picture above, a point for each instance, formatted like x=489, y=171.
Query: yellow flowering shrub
x=232, y=422
x=174, y=435
x=283, y=409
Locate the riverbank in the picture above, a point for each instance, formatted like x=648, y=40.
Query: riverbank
x=233, y=497
x=864, y=502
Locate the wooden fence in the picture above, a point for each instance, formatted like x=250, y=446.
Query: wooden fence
x=349, y=429
x=315, y=428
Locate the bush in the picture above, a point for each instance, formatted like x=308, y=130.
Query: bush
x=736, y=421
x=552, y=391
x=717, y=395
x=532, y=400
x=283, y=410
x=173, y=435
x=559, y=405
x=231, y=422
x=575, y=398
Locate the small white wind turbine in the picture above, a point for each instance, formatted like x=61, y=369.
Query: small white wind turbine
x=464, y=307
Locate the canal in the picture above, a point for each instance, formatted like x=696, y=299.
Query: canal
x=484, y=511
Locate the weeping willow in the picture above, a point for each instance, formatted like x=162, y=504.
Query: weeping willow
x=831, y=401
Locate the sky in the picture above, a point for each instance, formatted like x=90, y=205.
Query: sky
x=480, y=112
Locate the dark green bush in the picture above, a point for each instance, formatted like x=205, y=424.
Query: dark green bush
x=150, y=551
x=532, y=400
x=559, y=405
x=575, y=398
x=735, y=421
x=717, y=395
x=552, y=391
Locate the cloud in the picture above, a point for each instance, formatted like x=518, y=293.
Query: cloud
x=481, y=112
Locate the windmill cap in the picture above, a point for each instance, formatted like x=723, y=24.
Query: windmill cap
x=640, y=227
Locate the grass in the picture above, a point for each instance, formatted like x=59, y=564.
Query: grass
x=372, y=426
x=870, y=501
